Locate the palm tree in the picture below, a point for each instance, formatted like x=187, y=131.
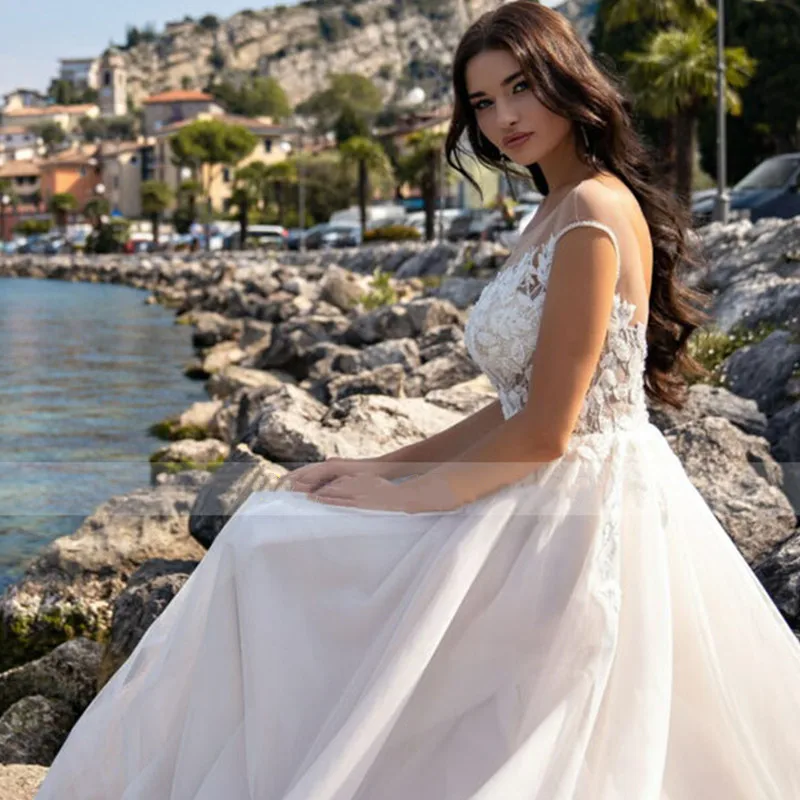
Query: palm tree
x=157, y=197
x=422, y=166
x=281, y=176
x=680, y=12
x=675, y=77
x=369, y=158
x=61, y=206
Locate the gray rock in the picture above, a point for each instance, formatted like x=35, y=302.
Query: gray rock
x=447, y=370
x=68, y=673
x=68, y=589
x=292, y=340
x=461, y=292
x=739, y=479
x=388, y=379
x=387, y=322
x=711, y=401
x=149, y=591
x=241, y=475
x=256, y=335
x=20, y=781
x=231, y=379
x=464, y=398
x=211, y=329
x=436, y=260
x=783, y=432
x=33, y=730
x=779, y=572
x=187, y=454
x=222, y=356
x=762, y=371
x=394, y=351
x=341, y=288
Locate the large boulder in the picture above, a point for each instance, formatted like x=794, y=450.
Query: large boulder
x=68, y=589
x=388, y=379
x=341, y=288
x=454, y=366
x=222, y=356
x=33, y=730
x=711, y=401
x=783, y=433
x=21, y=781
x=763, y=371
x=149, y=591
x=241, y=475
x=210, y=329
x=233, y=378
x=294, y=428
x=779, y=572
x=464, y=398
x=740, y=481
x=292, y=340
x=404, y=352
x=67, y=673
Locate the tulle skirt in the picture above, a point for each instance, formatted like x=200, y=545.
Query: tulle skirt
x=589, y=633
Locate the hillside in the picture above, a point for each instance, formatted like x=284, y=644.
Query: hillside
x=398, y=44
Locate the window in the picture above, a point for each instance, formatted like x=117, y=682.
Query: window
x=116, y=182
x=267, y=145
x=226, y=175
x=83, y=172
x=107, y=78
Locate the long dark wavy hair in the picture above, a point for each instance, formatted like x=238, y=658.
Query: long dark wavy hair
x=566, y=79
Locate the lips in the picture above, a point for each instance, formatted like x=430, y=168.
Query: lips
x=516, y=139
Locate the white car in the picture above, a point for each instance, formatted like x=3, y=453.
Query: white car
x=510, y=238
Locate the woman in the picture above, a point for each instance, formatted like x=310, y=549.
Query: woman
x=544, y=608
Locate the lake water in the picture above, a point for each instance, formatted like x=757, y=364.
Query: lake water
x=85, y=369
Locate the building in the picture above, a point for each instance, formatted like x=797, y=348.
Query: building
x=82, y=73
x=67, y=117
x=24, y=98
x=168, y=108
x=113, y=84
x=75, y=171
x=272, y=147
x=18, y=143
x=25, y=180
x=124, y=167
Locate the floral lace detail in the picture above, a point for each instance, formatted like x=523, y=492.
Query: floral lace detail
x=503, y=327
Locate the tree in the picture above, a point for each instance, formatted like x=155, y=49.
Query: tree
x=52, y=134
x=368, y=157
x=261, y=97
x=422, y=166
x=95, y=209
x=157, y=197
x=675, y=77
x=248, y=191
x=61, y=206
x=355, y=92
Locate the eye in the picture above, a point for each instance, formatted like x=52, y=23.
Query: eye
x=479, y=106
x=518, y=84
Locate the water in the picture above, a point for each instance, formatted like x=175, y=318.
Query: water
x=85, y=369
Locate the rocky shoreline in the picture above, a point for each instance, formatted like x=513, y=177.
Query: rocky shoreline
x=353, y=353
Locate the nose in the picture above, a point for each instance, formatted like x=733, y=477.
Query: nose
x=507, y=114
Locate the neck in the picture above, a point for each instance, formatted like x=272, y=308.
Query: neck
x=563, y=168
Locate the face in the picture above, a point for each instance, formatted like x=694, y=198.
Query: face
x=509, y=115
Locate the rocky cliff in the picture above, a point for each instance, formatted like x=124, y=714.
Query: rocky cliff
x=397, y=43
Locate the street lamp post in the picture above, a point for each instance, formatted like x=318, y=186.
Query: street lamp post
x=723, y=201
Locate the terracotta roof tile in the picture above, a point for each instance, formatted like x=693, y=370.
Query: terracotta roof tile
x=179, y=96
x=19, y=169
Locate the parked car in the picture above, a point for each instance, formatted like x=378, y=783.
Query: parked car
x=472, y=223
x=294, y=237
x=772, y=189
x=268, y=236
x=326, y=235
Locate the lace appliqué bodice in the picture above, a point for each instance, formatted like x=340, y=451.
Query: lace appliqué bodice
x=503, y=327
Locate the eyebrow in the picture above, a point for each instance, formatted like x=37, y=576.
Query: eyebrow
x=505, y=82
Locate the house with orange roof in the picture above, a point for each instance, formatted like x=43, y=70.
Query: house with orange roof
x=18, y=143
x=76, y=171
x=67, y=117
x=167, y=108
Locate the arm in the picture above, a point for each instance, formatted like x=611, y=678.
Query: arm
x=575, y=317
x=441, y=447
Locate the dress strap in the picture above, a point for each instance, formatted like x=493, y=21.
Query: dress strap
x=593, y=223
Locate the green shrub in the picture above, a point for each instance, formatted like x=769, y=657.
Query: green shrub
x=381, y=293
x=392, y=233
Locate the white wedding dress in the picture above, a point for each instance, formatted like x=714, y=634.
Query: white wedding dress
x=590, y=633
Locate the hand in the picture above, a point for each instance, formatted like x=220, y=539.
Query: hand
x=375, y=492
x=312, y=477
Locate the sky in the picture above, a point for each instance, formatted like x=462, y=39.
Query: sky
x=34, y=34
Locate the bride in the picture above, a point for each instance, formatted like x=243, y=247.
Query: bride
x=535, y=604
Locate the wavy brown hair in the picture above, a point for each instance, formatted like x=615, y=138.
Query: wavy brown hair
x=566, y=79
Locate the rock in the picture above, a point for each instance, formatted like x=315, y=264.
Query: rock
x=436, y=260
x=779, y=572
x=231, y=379
x=241, y=475
x=783, y=432
x=388, y=379
x=341, y=288
x=465, y=398
x=711, y=401
x=446, y=370
x=387, y=322
x=188, y=454
x=149, y=591
x=292, y=340
x=20, y=781
x=256, y=335
x=68, y=673
x=461, y=292
x=394, y=351
x=221, y=356
x=33, y=730
x=68, y=589
x=762, y=371
x=430, y=312
x=293, y=428
x=324, y=359
x=193, y=423
x=739, y=479
x=211, y=329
